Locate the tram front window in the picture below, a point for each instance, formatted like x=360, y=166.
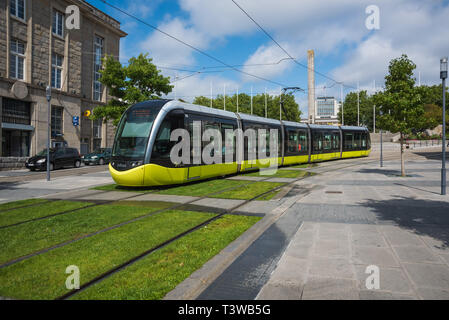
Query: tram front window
x=133, y=133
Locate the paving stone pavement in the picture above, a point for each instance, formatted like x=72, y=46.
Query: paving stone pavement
x=330, y=261
x=370, y=217
x=348, y=219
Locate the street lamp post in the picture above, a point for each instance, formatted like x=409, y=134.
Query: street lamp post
x=381, y=149
x=443, y=76
x=48, y=92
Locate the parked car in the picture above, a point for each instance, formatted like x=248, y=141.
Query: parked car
x=59, y=158
x=100, y=156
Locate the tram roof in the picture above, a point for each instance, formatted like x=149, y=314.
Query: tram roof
x=295, y=124
x=202, y=109
x=325, y=127
x=354, y=128
x=249, y=117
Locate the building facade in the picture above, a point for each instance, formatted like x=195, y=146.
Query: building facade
x=39, y=48
x=327, y=109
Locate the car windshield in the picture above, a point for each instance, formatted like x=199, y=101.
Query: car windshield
x=102, y=150
x=133, y=133
x=44, y=152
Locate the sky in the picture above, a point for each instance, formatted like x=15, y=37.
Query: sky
x=347, y=48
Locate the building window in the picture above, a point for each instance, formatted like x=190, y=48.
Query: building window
x=97, y=87
x=56, y=70
x=58, y=23
x=17, y=8
x=97, y=128
x=56, y=121
x=17, y=61
x=16, y=143
x=16, y=111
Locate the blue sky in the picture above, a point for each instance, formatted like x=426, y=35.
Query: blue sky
x=345, y=49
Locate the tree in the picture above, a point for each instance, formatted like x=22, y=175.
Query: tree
x=140, y=80
x=432, y=95
x=433, y=116
x=366, y=104
x=244, y=102
x=400, y=103
x=432, y=99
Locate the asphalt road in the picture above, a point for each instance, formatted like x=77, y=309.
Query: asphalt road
x=24, y=175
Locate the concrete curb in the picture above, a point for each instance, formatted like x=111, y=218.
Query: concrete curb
x=199, y=280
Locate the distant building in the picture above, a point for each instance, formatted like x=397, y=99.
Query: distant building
x=327, y=109
x=38, y=49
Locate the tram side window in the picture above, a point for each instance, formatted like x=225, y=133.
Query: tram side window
x=162, y=144
x=250, y=144
x=335, y=141
x=317, y=142
x=303, y=141
x=356, y=141
x=349, y=141
x=293, y=141
x=327, y=141
x=210, y=124
x=279, y=132
x=267, y=143
x=364, y=135
x=227, y=133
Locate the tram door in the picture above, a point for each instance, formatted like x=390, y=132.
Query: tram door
x=193, y=125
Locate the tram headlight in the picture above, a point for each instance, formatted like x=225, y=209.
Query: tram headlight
x=136, y=163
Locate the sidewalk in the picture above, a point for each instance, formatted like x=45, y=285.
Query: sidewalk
x=368, y=216
x=12, y=191
x=345, y=221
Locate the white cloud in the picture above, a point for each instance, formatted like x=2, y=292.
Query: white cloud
x=266, y=55
x=200, y=85
x=410, y=29
x=334, y=29
x=165, y=50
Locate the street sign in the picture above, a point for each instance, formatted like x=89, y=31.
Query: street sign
x=76, y=121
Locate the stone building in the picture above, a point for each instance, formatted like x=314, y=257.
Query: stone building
x=41, y=44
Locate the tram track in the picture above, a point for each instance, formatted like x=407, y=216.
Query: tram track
x=144, y=254
x=174, y=207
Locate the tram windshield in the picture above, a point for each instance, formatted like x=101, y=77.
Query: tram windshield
x=133, y=133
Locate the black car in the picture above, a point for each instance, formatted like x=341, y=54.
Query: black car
x=59, y=158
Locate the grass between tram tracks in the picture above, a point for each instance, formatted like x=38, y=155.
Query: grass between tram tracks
x=279, y=174
x=43, y=276
x=40, y=210
x=23, y=239
x=305, y=165
x=20, y=203
x=244, y=189
x=160, y=272
x=249, y=191
x=269, y=195
x=201, y=189
x=191, y=189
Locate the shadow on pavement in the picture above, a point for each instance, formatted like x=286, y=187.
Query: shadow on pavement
x=388, y=173
x=8, y=185
x=423, y=217
x=415, y=188
x=433, y=155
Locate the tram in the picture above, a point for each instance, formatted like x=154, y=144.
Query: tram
x=142, y=145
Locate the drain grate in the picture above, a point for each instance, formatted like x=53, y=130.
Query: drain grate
x=334, y=192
